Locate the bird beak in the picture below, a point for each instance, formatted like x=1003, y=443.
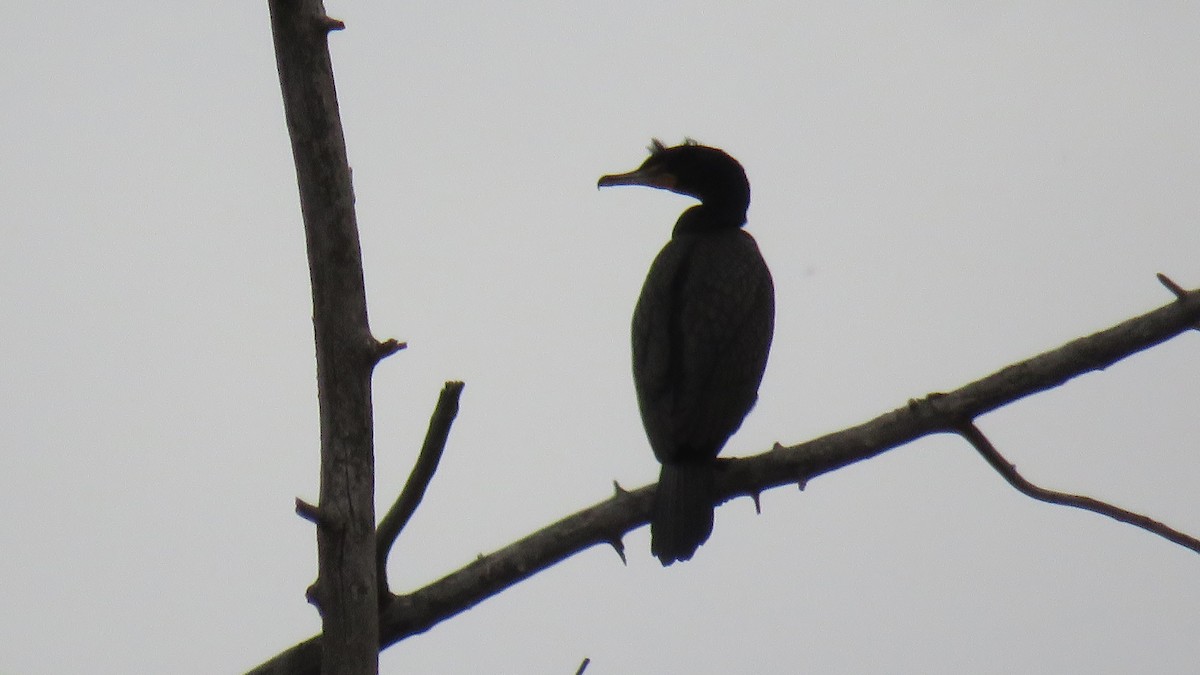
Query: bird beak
x=663, y=181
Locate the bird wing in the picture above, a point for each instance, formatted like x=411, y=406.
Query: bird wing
x=701, y=333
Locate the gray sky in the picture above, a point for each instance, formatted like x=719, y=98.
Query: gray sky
x=938, y=192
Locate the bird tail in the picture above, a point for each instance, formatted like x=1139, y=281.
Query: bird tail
x=683, y=510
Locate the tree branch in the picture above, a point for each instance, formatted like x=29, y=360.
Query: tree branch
x=1002, y=466
x=606, y=522
x=345, y=590
x=402, y=510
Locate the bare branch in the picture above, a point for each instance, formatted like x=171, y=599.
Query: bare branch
x=1002, y=466
x=387, y=348
x=1175, y=288
x=607, y=521
x=309, y=512
x=414, y=489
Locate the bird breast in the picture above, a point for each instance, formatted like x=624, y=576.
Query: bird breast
x=701, y=335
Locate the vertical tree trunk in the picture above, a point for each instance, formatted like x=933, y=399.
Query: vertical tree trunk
x=345, y=591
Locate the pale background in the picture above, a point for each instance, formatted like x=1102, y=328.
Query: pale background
x=940, y=189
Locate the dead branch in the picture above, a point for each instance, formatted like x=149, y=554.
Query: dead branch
x=606, y=522
x=345, y=590
x=414, y=489
x=1006, y=469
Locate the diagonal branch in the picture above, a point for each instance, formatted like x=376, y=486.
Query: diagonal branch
x=1002, y=466
x=410, y=497
x=607, y=521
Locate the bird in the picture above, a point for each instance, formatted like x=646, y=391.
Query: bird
x=701, y=335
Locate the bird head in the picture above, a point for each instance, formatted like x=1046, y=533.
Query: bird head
x=708, y=174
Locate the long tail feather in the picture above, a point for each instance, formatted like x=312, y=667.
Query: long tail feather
x=683, y=511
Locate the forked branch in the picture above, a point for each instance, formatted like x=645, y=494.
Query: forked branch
x=606, y=522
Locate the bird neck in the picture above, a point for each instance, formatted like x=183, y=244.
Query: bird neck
x=707, y=218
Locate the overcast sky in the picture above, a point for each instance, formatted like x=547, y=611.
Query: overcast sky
x=939, y=192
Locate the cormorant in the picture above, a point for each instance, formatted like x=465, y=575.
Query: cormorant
x=701, y=333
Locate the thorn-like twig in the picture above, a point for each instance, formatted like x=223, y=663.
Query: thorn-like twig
x=618, y=490
x=619, y=547
x=583, y=666
x=757, y=497
x=329, y=24
x=1002, y=466
x=1179, y=291
x=310, y=594
x=387, y=348
x=309, y=512
x=422, y=473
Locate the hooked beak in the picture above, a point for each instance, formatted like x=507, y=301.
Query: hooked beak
x=663, y=181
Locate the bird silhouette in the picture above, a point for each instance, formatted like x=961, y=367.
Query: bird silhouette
x=701, y=333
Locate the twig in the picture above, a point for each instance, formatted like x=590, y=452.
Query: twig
x=328, y=23
x=1179, y=291
x=583, y=666
x=1002, y=466
x=422, y=472
x=387, y=348
x=309, y=512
